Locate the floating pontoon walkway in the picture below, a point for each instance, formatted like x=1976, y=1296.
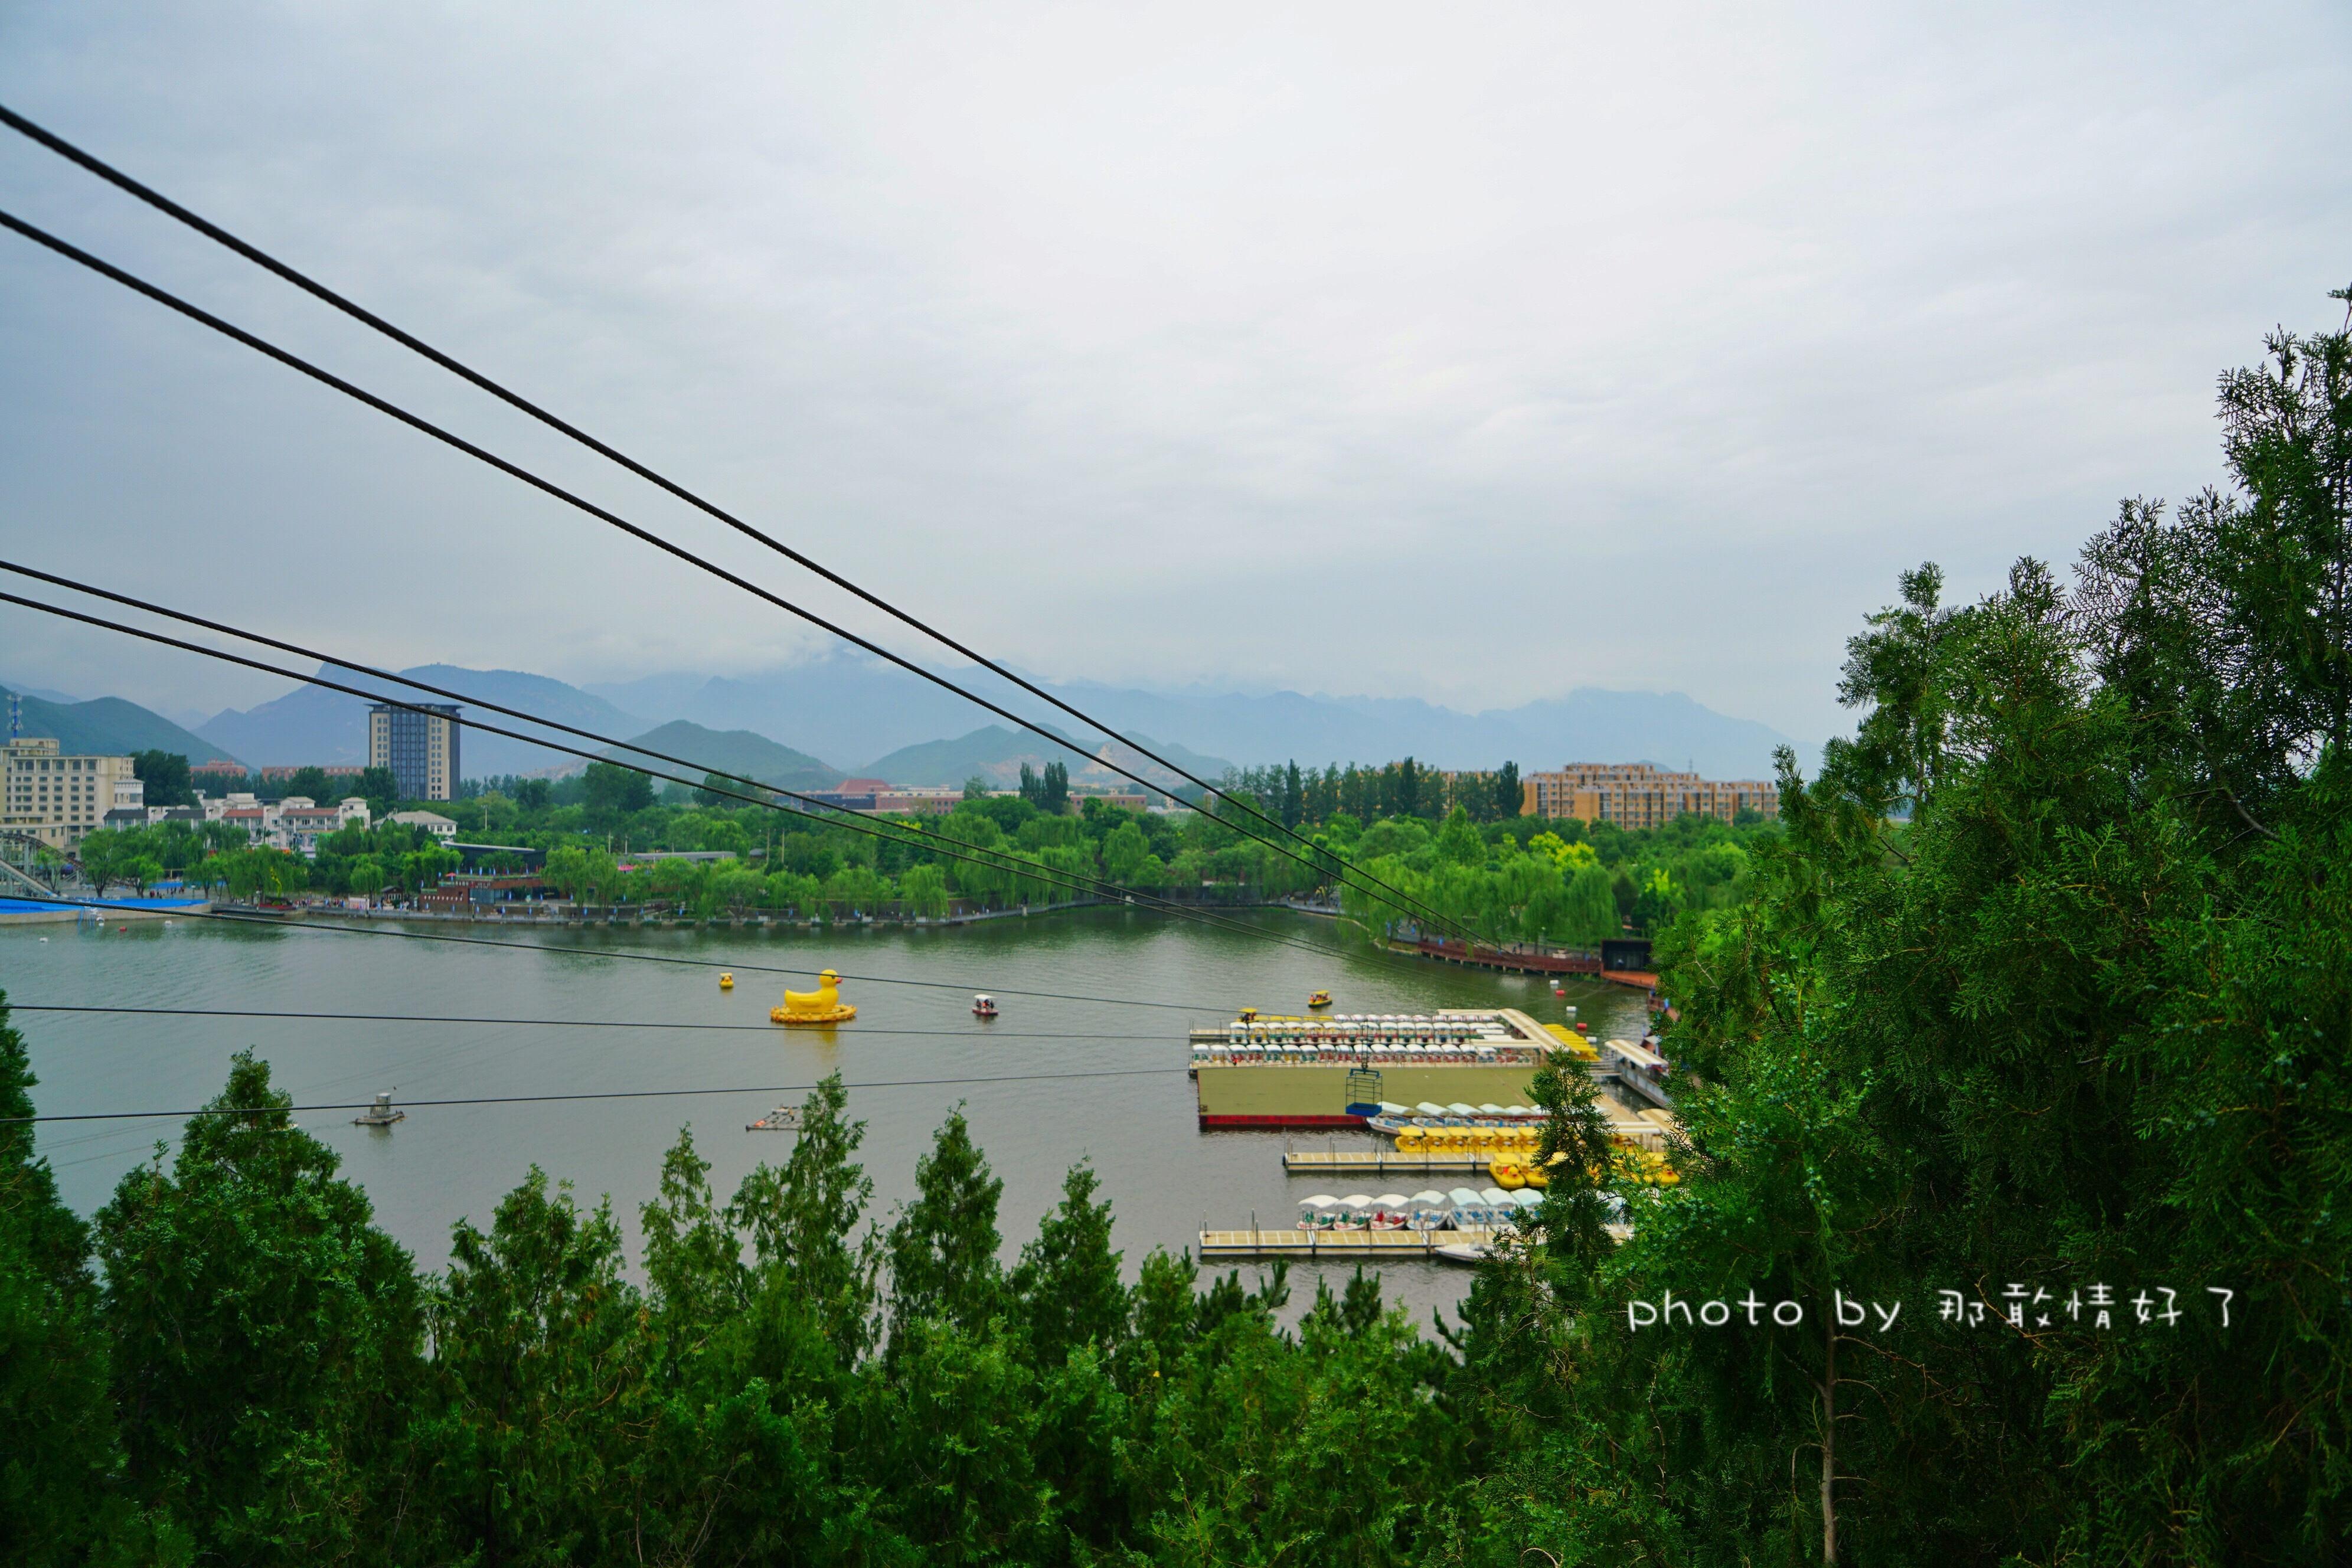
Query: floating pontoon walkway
x=1291, y=1243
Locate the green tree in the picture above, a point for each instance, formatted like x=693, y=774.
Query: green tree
x=311, y=783
x=54, y=1398
x=539, y=1375
x=266, y=1337
x=612, y=791
x=380, y=790
x=802, y=1220
x=164, y=777
x=1067, y=1284
x=1508, y=793
x=924, y=889
x=943, y=1249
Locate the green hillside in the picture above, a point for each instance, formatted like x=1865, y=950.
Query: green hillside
x=737, y=752
x=108, y=726
x=996, y=753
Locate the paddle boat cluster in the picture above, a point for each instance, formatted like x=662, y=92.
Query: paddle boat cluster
x=1429, y=1118
x=1464, y=1208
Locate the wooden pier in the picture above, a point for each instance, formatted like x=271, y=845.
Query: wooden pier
x=1405, y=1245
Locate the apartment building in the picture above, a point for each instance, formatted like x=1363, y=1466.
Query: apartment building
x=1637, y=794
x=60, y=799
x=419, y=745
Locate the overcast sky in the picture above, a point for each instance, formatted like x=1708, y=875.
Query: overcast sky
x=1475, y=353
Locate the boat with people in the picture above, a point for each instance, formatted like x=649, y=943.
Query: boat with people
x=983, y=1006
x=1319, y=999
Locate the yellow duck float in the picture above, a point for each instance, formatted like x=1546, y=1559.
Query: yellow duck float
x=822, y=1005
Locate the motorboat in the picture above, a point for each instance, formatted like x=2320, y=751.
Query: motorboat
x=1319, y=999
x=983, y=1006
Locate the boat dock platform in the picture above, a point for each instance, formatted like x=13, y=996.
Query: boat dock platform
x=1293, y=1243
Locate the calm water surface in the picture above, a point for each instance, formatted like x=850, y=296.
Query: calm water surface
x=1164, y=1176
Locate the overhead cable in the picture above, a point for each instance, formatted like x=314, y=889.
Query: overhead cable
x=606, y=1094
x=1238, y=824
x=369, y=318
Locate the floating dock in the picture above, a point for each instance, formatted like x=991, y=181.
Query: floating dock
x=1295, y=1243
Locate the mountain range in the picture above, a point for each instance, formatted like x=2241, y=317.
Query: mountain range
x=850, y=706
x=818, y=721
x=108, y=726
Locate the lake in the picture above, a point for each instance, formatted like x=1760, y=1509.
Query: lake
x=1163, y=1174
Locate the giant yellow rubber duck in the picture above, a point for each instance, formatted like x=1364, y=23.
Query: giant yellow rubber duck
x=822, y=1005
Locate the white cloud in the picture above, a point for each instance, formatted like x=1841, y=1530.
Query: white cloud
x=1471, y=355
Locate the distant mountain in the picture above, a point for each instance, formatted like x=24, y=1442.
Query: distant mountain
x=112, y=726
x=43, y=692
x=993, y=751
x=312, y=724
x=848, y=705
x=736, y=752
x=996, y=753
x=856, y=707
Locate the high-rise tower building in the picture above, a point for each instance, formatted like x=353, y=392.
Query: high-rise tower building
x=419, y=745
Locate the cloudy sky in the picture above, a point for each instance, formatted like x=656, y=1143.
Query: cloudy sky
x=1473, y=353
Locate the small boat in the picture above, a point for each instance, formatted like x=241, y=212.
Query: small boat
x=383, y=1113
x=1319, y=999
x=983, y=1006
x=726, y=981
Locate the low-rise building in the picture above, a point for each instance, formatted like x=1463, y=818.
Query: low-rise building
x=1638, y=794
x=294, y=825
x=302, y=822
x=432, y=822
x=60, y=799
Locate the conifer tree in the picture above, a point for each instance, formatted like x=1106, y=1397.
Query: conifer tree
x=265, y=1336
x=942, y=1250
x=57, y=1423
x=1068, y=1284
